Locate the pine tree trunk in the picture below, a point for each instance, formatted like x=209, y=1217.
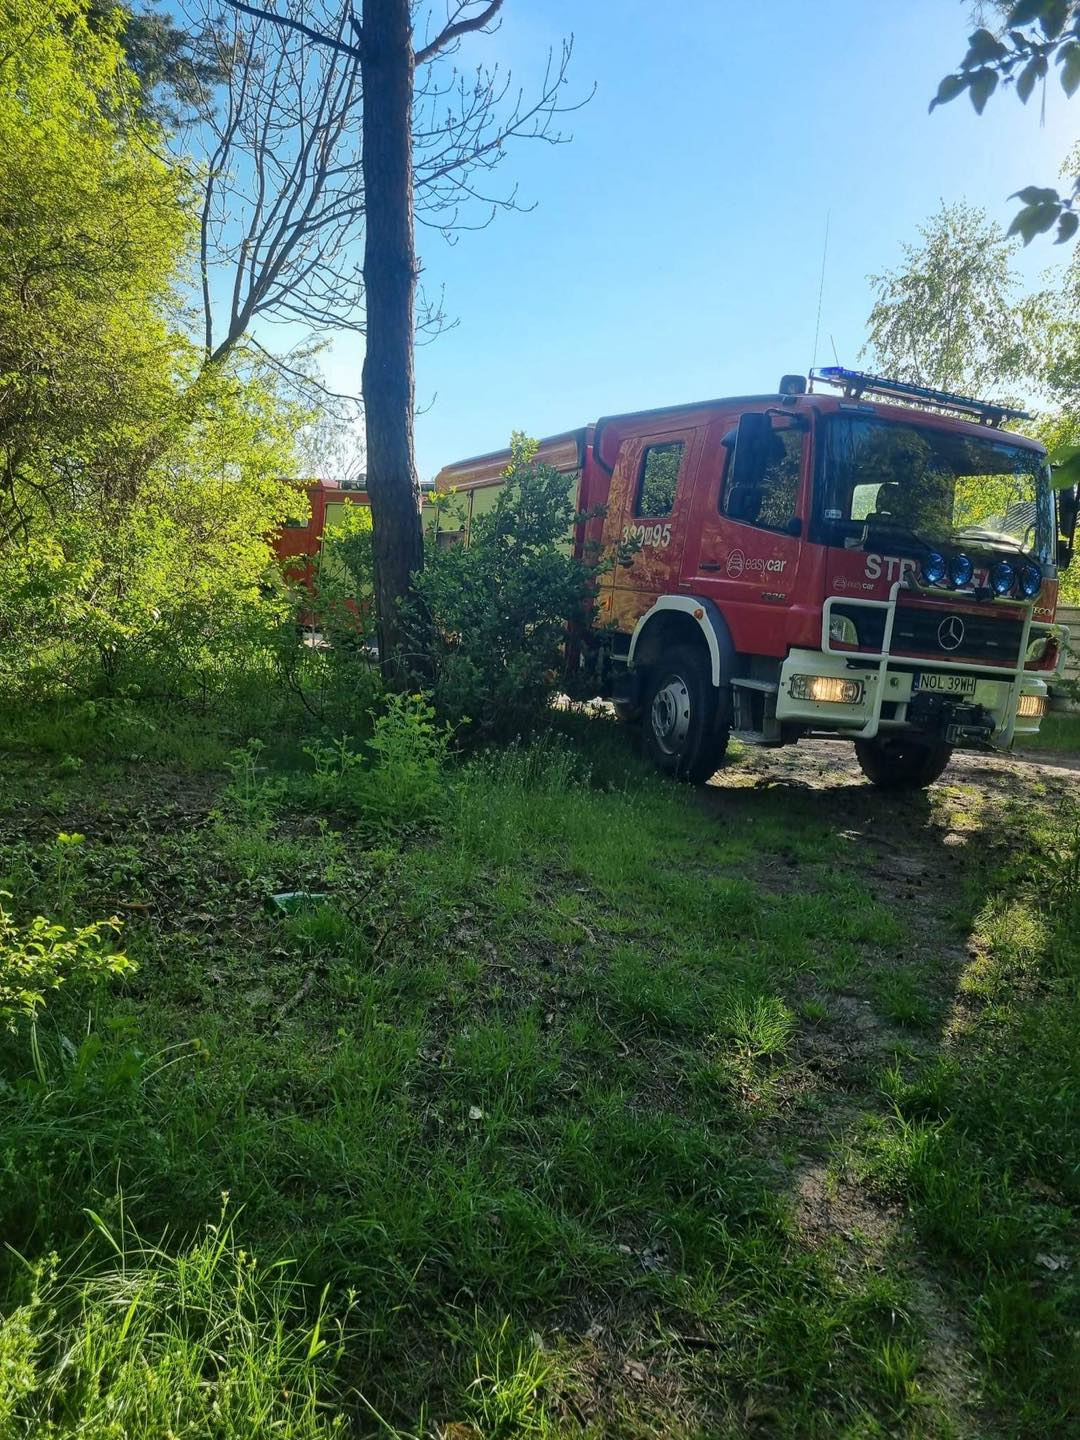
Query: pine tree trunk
x=390, y=284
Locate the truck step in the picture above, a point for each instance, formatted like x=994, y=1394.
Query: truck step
x=753, y=711
x=755, y=737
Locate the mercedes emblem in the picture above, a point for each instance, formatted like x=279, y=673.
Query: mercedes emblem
x=950, y=633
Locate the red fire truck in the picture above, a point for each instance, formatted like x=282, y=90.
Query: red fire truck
x=877, y=561
x=298, y=542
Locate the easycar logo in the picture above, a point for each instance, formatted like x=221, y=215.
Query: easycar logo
x=738, y=563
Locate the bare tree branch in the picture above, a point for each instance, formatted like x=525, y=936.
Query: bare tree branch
x=455, y=30
x=282, y=211
x=302, y=379
x=291, y=24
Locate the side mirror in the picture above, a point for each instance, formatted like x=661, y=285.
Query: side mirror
x=751, y=449
x=1067, y=511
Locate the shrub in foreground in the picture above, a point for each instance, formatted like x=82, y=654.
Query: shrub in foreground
x=41, y=955
x=488, y=621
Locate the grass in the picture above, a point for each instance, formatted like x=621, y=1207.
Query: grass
x=1058, y=731
x=511, y=1124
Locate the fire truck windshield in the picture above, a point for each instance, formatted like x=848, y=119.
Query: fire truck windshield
x=932, y=486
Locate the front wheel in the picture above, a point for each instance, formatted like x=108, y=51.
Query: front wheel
x=680, y=716
x=900, y=763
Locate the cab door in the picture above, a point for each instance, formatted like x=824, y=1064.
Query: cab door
x=750, y=517
x=648, y=519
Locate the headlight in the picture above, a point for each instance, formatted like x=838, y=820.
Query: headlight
x=842, y=630
x=1030, y=580
x=830, y=689
x=1002, y=577
x=934, y=568
x=961, y=569
x=1031, y=707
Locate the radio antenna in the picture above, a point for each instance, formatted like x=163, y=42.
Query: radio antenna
x=821, y=287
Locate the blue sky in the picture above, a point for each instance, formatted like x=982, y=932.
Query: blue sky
x=675, y=248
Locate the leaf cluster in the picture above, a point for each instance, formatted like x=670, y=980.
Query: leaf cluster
x=1038, y=35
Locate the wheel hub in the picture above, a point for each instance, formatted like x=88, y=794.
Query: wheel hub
x=670, y=716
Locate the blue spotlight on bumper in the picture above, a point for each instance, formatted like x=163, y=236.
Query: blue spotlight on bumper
x=934, y=569
x=1030, y=581
x=961, y=569
x=1002, y=577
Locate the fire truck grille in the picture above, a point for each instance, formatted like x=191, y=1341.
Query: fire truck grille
x=991, y=638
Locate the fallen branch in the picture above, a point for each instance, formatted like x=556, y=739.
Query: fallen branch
x=575, y=921
x=618, y=1039
x=298, y=999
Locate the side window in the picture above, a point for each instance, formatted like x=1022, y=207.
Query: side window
x=769, y=499
x=659, y=478
x=864, y=499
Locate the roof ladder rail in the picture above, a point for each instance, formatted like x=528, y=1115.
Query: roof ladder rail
x=856, y=383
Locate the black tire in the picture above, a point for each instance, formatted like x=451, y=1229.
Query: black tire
x=682, y=729
x=901, y=763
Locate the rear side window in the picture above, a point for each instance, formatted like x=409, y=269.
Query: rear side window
x=659, y=479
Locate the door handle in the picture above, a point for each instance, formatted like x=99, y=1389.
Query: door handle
x=711, y=565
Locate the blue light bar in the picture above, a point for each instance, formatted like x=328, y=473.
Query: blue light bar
x=857, y=382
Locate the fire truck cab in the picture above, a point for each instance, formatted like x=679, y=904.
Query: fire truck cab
x=876, y=562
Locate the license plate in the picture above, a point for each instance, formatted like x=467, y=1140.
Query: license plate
x=938, y=682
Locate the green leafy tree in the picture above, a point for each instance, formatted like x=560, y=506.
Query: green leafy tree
x=94, y=226
x=1038, y=38
x=177, y=67
x=138, y=487
x=950, y=315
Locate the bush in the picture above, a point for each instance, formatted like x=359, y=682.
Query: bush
x=489, y=620
x=43, y=955
x=397, y=781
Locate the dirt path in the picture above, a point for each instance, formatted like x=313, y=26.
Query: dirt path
x=917, y=854
x=807, y=761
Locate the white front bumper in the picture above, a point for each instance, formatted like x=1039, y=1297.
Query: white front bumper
x=992, y=695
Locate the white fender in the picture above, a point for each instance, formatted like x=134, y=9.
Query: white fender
x=708, y=619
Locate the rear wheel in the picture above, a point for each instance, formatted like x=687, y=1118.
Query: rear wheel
x=901, y=763
x=680, y=716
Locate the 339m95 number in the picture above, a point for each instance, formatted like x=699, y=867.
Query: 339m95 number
x=648, y=535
